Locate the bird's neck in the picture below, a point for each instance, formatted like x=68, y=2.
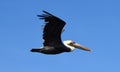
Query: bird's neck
x=68, y=46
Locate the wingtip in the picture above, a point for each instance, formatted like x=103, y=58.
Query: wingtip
x=40, y=16
x=43, y=16
x=44, y=11
x=47, y=12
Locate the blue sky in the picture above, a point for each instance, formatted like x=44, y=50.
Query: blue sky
x=93, y=23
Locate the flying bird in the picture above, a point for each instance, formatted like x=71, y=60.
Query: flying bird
x=52, y=37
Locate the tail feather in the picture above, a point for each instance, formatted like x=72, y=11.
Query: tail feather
x=35, y=50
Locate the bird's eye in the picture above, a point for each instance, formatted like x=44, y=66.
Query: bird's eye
x=72, y=43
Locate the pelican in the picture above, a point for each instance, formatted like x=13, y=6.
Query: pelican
x=52, y=37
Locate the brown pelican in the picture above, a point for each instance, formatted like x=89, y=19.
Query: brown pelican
x=52, y=37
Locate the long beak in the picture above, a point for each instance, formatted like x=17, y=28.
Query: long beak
x=76, y=45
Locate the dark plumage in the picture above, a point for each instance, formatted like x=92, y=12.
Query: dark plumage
x=52, y=36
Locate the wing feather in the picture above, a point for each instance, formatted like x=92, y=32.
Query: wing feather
x=52, y=29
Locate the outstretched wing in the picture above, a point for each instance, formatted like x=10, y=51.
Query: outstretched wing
x=52, y=29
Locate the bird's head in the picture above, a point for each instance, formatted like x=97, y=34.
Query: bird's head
x=72, y=45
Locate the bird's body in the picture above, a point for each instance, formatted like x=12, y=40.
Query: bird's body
x=52, y=36
x=52, y=50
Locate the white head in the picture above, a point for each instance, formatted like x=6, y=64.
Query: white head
x=67, y=44
x=72, y=45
